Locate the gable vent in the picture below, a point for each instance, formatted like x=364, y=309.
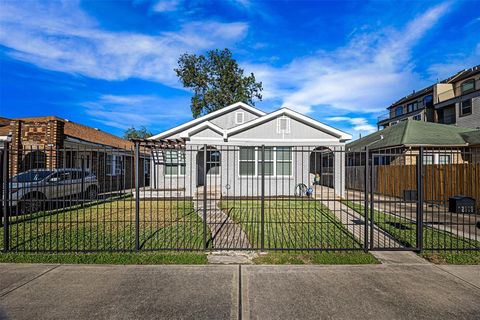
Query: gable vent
x=283, y=124
x=239, y=118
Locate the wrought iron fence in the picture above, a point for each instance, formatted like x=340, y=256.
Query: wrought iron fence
x=177, y=196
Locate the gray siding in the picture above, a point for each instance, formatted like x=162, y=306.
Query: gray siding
x=207, y=133
x=470, y=121
x=268, y=130
x=227, y=121
x=231, y=184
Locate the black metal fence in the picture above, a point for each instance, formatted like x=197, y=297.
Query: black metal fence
x=172, y=196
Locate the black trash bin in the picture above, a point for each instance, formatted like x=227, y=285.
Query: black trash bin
x=461, y=204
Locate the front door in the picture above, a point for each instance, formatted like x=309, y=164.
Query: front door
x=212, y=165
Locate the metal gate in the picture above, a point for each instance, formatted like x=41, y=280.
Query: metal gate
x=396, y=223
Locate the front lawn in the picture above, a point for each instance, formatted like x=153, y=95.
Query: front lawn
x=437, y=244
x=290, y=224
x=107, y=258
x=110, y=225
x=349, y=257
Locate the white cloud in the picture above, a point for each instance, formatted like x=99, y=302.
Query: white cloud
x=358, y=124
x=166, y=5
x=138, y=110
x=363, y=76
x=61, y=37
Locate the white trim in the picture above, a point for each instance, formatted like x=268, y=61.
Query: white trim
x=295, y=115
x=207, y=117
x=200, y=127
x=284, y=140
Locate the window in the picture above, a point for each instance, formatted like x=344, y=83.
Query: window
x=283, y=161
x=399, y=111
x=444, y=159
x=428, y=159
x=247, y=161
x=417, y=117
x=174, y=162
x=428, y=101
x=468, y=86
x=269, y=161
x=114, y=165
x=278, y=161
x=283, y=125
x=466, y=107
x=412, y=106
x=239, y=118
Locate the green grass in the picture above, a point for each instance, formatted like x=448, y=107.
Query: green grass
x=347, y=257
x=110, y=225
x=290, y=224
x=106, y=258
x=434, y=240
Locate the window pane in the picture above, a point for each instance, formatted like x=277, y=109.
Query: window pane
x=468, y=86
x=171, y=170
x=268, y=154
x=182, y=170
x=268, y=168
x=428, y=159
x=247, y=168
x=284, y=168
x=444, y=159
x=247, y=153
x=284, y=153
x=466, y=107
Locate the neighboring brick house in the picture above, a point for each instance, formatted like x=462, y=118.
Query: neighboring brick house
x=52, y=142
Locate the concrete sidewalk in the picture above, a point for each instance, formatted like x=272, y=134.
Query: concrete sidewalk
x=387, y=291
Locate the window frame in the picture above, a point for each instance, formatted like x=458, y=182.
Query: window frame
x=461, y=113
x=396, y=111
x=177, y=165
x=472, y=81
x=257, y=161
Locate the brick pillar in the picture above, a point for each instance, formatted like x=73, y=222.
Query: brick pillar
x=54, y=143
x=15, y=146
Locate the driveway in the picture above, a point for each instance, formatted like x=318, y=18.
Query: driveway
x=387, y=291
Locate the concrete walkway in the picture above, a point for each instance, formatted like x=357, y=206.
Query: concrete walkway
x=387, y=291
x=352, y=220
x=437, y=217
x=226, y=234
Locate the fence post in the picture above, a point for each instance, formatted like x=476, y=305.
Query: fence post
x=420, y=201
x=82, y=187
x=371, y=167
x=262, y=242
x=137, y=197
x=5, y=197
x=366, y=182
x=205, y=197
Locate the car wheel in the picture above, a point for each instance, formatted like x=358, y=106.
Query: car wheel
x=92, y=193
x=32, y=204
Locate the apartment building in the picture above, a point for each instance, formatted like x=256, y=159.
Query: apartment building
x=454, y=101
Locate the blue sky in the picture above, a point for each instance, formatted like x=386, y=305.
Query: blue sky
x=109, y=64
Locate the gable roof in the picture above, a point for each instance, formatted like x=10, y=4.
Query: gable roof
x=201, y=126
x=412, y=133
x=294, y=115
x=206, y=117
